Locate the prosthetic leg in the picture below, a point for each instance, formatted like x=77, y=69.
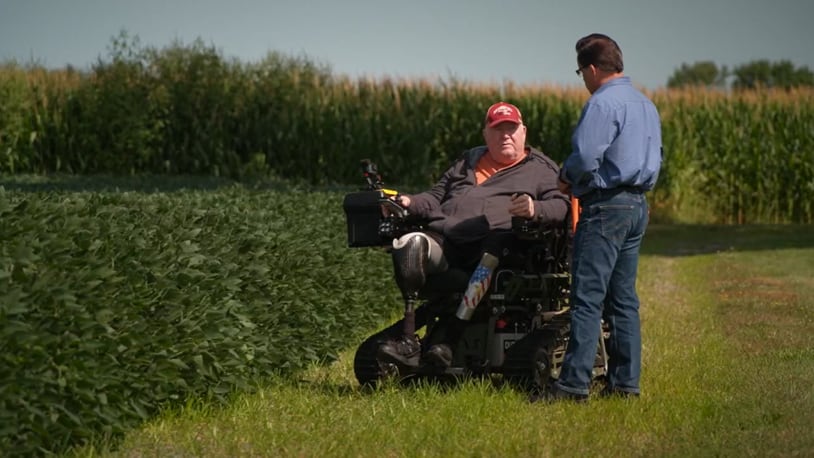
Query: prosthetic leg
x=414, y=255
x=441, y=354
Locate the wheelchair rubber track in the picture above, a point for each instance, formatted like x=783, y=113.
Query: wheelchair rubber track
x=365, y=365
x=520, y=366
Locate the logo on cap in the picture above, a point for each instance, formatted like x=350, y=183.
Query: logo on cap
x=503, y=112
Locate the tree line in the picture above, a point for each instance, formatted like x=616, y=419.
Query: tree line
x=782, y=74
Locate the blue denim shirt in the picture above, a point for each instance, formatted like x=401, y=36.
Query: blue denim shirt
x=617, y=141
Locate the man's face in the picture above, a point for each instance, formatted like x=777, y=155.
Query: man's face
x=506, y=142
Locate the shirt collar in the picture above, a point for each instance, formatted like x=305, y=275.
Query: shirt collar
x=619, y=81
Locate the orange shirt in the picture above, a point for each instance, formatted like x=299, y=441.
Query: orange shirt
x=487, y=167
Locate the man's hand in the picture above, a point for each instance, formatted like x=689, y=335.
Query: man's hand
x=400, y=199
x=522, y=205
x=564, y=187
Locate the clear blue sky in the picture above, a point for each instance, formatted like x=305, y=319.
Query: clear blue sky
x=525, y=41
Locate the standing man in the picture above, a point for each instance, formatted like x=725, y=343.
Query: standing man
x=616, y=157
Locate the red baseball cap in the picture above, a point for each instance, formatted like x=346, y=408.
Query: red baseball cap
x=503, y=112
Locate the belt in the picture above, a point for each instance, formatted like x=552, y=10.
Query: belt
x=597, y=194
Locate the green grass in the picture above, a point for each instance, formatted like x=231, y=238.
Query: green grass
x=728, y=328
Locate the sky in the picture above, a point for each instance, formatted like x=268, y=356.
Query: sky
x=482, y=41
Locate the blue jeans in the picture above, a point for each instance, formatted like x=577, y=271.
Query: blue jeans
x=603, y=284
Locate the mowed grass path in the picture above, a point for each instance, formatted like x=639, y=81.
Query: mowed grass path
x=728, y=327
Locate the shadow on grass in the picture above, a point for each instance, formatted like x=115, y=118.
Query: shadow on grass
x=441, y=384
x=689, y=240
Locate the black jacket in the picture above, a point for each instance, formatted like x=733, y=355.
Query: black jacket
x=465, y=212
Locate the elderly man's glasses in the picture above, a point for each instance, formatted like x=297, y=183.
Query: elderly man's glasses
x=579, y=70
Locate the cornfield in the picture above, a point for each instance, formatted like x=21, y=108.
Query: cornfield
x=730, y=157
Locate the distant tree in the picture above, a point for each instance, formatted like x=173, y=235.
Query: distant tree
x=782, y=74
x=703, y=73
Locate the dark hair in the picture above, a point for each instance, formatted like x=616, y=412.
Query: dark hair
x=601, y=51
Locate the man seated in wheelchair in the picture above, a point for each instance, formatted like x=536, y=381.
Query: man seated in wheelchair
x=468, y=218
